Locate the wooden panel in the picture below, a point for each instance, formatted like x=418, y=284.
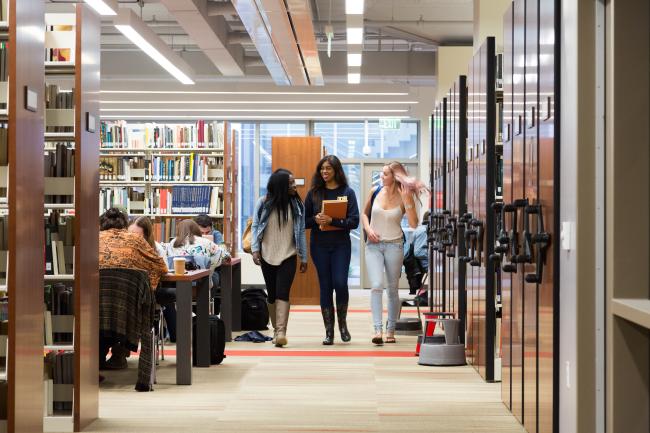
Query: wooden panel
x=461, y=183
x=469, y=286
x=300, y=155
x=450, y=274
x=506, y=278
x=230, y=189
x=26, y=237
x=86, y=227
x=547, y=193
x=518, y=193
x=531, y=183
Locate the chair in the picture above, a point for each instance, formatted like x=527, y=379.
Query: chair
x=126, y=312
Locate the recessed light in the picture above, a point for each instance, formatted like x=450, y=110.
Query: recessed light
x=355, y=35
x=354, y=59
x=354, y=7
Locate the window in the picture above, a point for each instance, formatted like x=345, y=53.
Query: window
x=357, y=140
x=246, y=155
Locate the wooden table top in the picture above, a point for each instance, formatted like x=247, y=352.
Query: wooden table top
x=233, y=261
x=188, y=276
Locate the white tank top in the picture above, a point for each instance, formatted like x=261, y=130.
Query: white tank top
x=386, y=223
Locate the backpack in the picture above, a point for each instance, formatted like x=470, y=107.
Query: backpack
x=217, y=340
x=254, y=311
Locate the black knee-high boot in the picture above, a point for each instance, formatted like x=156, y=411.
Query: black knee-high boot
x=328, y=320
x=342, y=313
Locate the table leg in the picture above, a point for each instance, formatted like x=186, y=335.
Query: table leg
x=226, y=299
x=202, y=323
x=184, y=333
x=236, y=297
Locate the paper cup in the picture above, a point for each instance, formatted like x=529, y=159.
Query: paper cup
x=179, y=265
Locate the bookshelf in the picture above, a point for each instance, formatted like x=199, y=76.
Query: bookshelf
x=21, y=192
x=70, y=327
x=166, y=171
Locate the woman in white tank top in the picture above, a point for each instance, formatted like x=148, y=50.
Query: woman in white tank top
x=382, y=216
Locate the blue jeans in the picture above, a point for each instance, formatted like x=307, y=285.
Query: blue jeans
x=380, y=257
x=332, y=264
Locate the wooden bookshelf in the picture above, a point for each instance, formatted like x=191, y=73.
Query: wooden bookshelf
x=77, y=78
x=25, y=34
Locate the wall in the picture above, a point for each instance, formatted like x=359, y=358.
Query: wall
x=577, y=203
x=451, y=62
x=488, y=21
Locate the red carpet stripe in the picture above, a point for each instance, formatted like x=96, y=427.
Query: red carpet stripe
x=314, y=353
x=309, y=310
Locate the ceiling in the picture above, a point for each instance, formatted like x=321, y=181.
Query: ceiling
x=400, y=40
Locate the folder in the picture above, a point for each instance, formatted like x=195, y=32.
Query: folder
x=336, y=209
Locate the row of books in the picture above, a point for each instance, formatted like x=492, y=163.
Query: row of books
x=59, y=54
x=122, y=197
x=164, y=229
x=59, y=244
x=4, y=236
x=193, y=167
x=58, y=314
x=187, y=200
x=4, y=143
x=55, y=98
x=201, y=134
x=59, y=370
x=116, y=168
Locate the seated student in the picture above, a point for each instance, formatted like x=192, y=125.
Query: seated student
x=416, y=255
x=205, y=224
x=120, y=249
x=188, y=242
x=142, y=226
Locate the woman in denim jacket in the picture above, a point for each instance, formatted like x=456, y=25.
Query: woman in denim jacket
x=278, y=236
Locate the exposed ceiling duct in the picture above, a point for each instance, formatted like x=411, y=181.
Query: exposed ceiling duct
x=284, y=39
x=209, y=32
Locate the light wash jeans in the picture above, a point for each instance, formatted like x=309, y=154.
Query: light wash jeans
x=386, y=256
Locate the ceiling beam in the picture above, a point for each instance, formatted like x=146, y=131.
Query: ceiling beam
x=209, y=32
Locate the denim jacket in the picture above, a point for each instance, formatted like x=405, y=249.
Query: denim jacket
x=261, y=218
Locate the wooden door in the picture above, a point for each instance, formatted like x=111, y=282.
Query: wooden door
x=300, y=155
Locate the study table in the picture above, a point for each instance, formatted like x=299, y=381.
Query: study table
x=231, y=296
x=184, y=322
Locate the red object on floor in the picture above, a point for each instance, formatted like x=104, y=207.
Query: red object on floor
x=430, y=326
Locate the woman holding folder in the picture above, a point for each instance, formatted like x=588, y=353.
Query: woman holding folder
x=331, y=211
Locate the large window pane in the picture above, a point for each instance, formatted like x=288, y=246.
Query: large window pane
x=246, y=154
x=267, y=132
x=357, y=140
x=353, y=174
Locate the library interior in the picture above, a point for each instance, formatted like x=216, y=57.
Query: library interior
x=325, y=216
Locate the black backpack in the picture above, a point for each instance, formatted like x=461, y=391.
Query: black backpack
x=217, y=340
x=254, y=311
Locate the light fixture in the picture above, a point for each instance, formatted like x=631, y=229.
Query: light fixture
x=329, y=31
x=209, y=92
x=354, y=59
x=148, y=41
x=104, y=7
x=354, y=7
x=245, y=102
x=355, y=35
x=354, y=78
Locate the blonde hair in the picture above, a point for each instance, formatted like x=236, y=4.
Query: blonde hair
x=147, y=229
x=411, y=184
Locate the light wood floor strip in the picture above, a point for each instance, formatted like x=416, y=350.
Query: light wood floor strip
x=309, y=393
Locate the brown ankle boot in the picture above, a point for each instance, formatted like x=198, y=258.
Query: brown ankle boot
x=272, y=313
x=281, y=317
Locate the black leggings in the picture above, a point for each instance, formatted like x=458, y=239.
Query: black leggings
x=279, y=279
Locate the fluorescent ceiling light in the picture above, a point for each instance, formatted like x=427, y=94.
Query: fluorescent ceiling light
x=354, y=59
x=354, y=78
x=257, y=110
x=148, y=41
x=104, y=7
x=145, y=102
x=355, y=35
x=196, y=92
x=198, y=116
x=354, y=7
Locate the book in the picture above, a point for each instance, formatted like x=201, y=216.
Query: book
x=336, y=209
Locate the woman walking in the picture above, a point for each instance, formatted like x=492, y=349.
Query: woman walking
x=382, y=216
x=278, y=236
x=331, y=248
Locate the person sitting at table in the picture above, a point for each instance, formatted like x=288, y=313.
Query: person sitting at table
x=188, y=242
x=118, y=248
x=205, y=224
x=142, y=225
